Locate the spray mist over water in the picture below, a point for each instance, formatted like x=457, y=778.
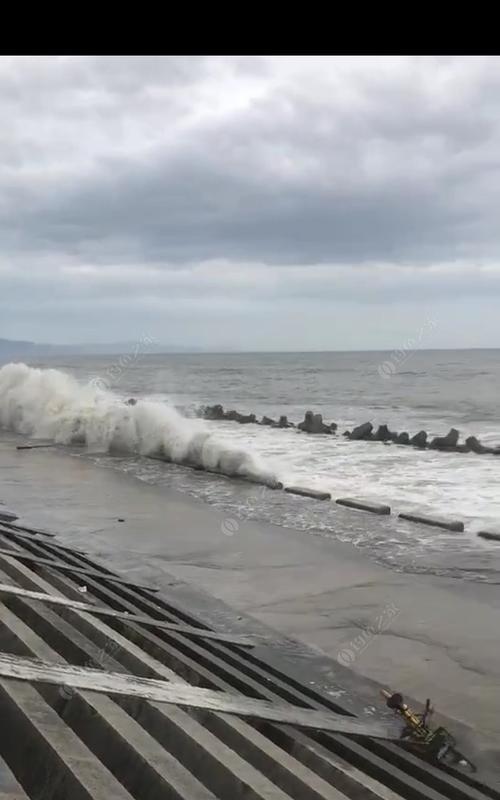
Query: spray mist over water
x=49, y=404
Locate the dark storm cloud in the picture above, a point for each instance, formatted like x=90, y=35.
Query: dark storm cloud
x=191, y=210
x=292, y=178
x=136, y=180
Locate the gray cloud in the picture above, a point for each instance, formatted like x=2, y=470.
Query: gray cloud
x=132, y=186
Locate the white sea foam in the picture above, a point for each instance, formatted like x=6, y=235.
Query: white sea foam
x=49, y=404
x=461, y=485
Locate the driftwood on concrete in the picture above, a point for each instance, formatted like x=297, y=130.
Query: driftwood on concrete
x=180, y=694
x=189, y=630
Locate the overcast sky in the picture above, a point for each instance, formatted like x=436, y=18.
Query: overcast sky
x=251, y=203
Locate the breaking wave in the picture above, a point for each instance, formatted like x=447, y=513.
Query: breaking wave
x=49, y=404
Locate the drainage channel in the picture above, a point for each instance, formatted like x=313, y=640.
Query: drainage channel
x=60, y=742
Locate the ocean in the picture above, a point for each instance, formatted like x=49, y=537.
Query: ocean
x=79, y=399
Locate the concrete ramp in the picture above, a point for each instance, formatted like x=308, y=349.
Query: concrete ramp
x=124, y=697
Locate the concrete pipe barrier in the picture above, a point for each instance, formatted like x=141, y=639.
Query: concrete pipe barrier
x=363, y=505
x=304, y=492
x=495, y=537
x=437, y=522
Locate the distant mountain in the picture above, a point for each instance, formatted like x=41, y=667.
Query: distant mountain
x=9, y=346
x=16, y=349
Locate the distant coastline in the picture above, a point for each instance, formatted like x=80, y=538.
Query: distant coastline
x=16, y=349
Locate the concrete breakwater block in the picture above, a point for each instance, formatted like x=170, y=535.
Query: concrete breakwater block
x=314, y=493
x=363, y=505
x=437, y=522
x=313, y=423
x=494, y=536
x=261, y=480
x=269, y=483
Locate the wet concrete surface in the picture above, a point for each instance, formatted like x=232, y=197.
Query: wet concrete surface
x=421, y=635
